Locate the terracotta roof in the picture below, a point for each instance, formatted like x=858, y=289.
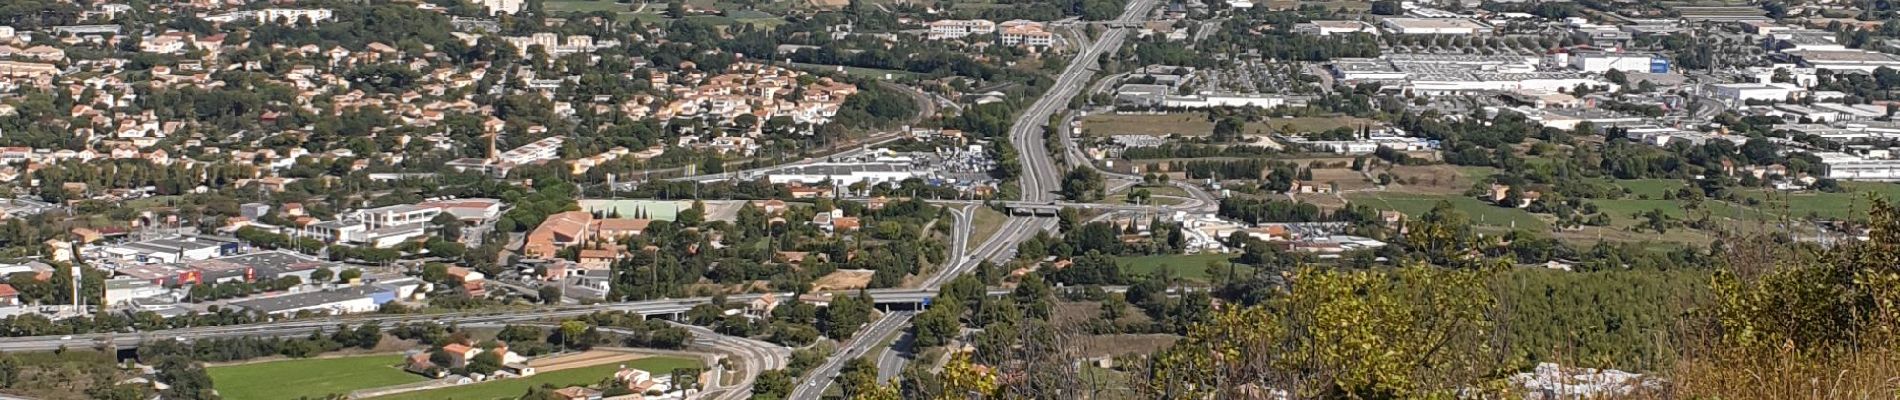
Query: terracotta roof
x=457, y=349
x=622, y=224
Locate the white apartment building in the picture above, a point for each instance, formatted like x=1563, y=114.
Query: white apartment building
x=556, y=45
x=1026, y=33
x=396, y=215
x=162, y=44
x=540, y=150
x=276, y=15
x=958, y=29
x=496, y=7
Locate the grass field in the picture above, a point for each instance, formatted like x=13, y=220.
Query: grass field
x=1196, y=124
x=1852, y=204
x=586, y=6
x=314, y=378
x=986, y=223
x=1189, y=267
x=1122, y=198
x=873, y=73
x=1162, y=124
x=1481, y=213
x=514, y=388
x=1308, y=124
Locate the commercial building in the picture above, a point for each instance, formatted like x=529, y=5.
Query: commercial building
x=1738, y=94
x=843, y=174
x=1365, y=69
x=1363, y=146
x=350, y=300
x=1213, y=100
x=121, y=290
x=1848, y=167
x=173, y=249
x=257, y=267
x=1844, y=60
x=1141, y=95
x=1329, y=28
x=1434, y=26
x=1603, y=61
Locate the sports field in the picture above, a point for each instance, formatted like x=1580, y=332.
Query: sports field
x=313, y=378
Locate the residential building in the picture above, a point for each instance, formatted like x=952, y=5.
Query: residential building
x=1025, y=33
x=285, y=16
x=958, y=29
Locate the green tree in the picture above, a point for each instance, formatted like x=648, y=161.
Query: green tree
x=1415, y=332
x=485, y=363
x=842, y=318
x=1228, y=129
x=936, y=326
x=572, y=330
x=1083, y=184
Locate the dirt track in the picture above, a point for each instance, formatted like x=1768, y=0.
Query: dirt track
x=582, y=359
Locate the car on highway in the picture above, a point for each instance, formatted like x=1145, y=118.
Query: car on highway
x=67, y=337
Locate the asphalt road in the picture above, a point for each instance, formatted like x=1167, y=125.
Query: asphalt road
x=858, y=346
x=1040, y=178
x=753, y=356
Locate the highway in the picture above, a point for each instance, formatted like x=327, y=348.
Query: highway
x=926, y=108
x=1040, y=177
x=754, y=357
x=300, y=327
x=859, y=346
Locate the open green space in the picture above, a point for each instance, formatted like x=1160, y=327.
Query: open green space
x=1188, y=267
x=1197, y=124
x=1848, y=205
x=587, y=6
x=1308, y=124
x=1107, y=383
x=1481, y=213
x=312, y=378
x=1122, y=198
x=985, y=224
x=873, y=73
x=514, y=388
x=1654, y=188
